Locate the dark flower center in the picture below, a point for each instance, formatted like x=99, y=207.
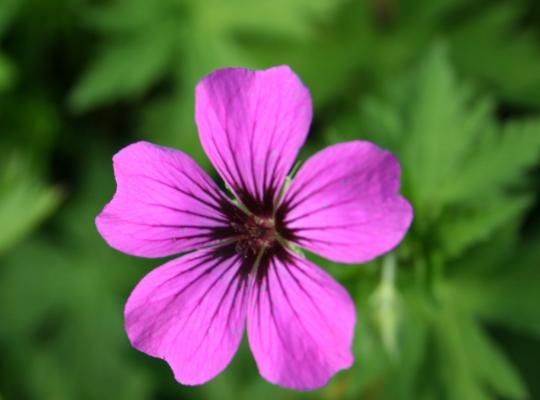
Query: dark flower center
x=255, y=235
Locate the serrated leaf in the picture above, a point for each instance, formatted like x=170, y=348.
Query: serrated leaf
x=491, y=365
x=499, y=161
x=441, y=129
x=471, y=365
x=466, y=227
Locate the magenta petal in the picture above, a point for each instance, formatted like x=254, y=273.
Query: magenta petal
x=164, y=203
x=344, y=203
x=300, y=324
x=251, y=125
x=191, y=313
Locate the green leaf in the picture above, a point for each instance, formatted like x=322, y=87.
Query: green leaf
x=487, y=46
x=500, y=160
x=290, y=18
x=431, y=121
x=433, y=128
x=125, y=70
x=24, y=201
x=491, y=364
x=8, y=9
x=441, y=126
x=466, y=227
x=7, y=73
x=472, y=367
x=174, y=44
x=507, y=293
x=65, y=335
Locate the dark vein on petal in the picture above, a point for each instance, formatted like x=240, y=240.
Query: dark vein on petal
x=179, y=227
x=317, y=210
x=306, y=182
x=188, y=212
x=217, y=308
x=252, y=150
x=225, y=129
x=344, y=226
x=327, y=242
x=214, y=195
x=318, y=190
x=232, y=180
x=303, y=289
x=295, y=312
x=208, y=289
x=273, y=315
x=204, y=258
x=177, y=189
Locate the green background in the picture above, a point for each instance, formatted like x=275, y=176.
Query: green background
x=452, y=87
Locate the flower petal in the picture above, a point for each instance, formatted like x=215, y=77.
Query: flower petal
x=251, y=125
x=191, y=313
x=300, y=324
x=164, y=203
x=344, y=203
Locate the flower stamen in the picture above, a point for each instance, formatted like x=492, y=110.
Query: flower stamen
x=255, y=235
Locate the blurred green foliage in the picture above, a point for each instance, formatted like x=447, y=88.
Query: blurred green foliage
x=452, y=87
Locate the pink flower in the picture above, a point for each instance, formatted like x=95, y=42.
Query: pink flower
x=343, y=204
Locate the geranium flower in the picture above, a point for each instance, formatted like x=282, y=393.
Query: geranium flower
x=241, y=267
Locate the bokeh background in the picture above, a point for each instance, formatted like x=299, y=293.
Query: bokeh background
x=451, y=86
